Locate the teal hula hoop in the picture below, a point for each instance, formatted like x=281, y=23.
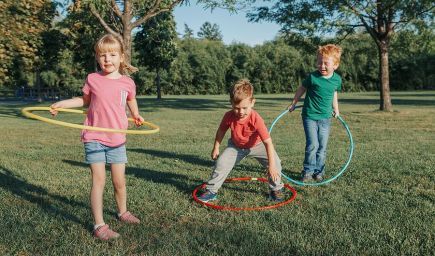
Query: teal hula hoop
x=343, y=168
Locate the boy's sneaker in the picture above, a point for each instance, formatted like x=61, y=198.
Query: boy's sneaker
x=207, y=196
x=318, y=177
x=276, y=196
x=127, y=217
x=307, y=177
x=105, y=233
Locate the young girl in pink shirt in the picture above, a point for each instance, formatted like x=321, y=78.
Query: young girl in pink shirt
x=107, y=93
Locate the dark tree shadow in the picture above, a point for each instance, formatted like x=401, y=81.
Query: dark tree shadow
x=39, y=196
x=181, y=182
x=75, y=163
x=419, y=100
x=199, y=161
x=192, y=159
x=412, y=95
x=292, y=174
x=182, y=103
x=403, y=102
x=7, y=110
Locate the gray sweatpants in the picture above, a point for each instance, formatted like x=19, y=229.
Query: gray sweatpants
x=233, y=155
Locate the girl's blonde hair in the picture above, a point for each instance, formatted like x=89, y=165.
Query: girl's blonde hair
x=243, y=89
x=111, y=43
x=331, y=50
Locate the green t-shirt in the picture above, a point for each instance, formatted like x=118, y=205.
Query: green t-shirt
x=319, y=95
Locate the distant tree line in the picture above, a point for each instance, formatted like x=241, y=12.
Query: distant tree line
x=205, y=66
x=58, y=55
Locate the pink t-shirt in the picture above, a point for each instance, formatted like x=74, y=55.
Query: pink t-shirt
x=245, y=133
x=107, y=108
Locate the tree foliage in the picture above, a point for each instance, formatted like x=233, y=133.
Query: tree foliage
x=156, y=45
x=380, y=18
x=65, y=55
x=210, y=32
x=22, y=24
x=119, y=18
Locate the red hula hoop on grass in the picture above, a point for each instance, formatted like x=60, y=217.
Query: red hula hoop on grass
x=228, y=208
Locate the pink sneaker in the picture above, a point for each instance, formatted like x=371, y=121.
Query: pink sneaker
x=127, y=217
x=105, y=233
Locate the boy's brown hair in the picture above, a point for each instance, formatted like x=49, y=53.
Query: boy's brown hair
x=241, y=90
x=331, y=50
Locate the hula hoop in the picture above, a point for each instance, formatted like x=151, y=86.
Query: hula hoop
x=343, y=168
x=229, y=208
x=27, y=112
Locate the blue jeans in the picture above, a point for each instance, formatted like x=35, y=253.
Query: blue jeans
x=316, y=139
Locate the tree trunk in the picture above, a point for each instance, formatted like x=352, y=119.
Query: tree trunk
x=126, y=38
x=159, y=92
x=384, y=79
x=38, y=86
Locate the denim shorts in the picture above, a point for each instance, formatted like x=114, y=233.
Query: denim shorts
x=96, y=152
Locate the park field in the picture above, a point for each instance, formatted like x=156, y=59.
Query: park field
x=383, y=204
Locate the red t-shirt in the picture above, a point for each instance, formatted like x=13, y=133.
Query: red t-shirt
x=245, y=133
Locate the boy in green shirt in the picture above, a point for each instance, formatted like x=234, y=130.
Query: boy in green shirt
x=321, y=88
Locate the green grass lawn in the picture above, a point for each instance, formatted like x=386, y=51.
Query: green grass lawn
x=382, y=205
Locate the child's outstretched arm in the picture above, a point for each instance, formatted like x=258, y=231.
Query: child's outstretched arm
x=273, y=173
x=134, y=110
x=70, y=103
x=217, y=142
x=335, y=105
x=299, y=92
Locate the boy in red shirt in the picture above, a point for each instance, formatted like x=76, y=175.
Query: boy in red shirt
x=249, y=138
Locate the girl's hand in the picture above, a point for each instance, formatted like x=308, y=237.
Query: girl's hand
x=291, y=108
x=336, y=113
x=53, y=108
x=138, y=120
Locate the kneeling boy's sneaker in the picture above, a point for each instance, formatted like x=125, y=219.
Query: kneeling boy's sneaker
x=105, y=233
x=276, y=196
x=307, y=177
x=318, y=177
x=207, y=196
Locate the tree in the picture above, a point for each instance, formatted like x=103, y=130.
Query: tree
x=156, y=44
x=210, y=32
x=119, y=18
x=188, y=32
x=22, y=24
x=380, y=18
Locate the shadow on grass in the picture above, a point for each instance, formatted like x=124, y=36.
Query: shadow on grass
x=400, y=102
x=75, y=163
x=250, y=238
x=40, y=196
x=182, y=103
x=10, y=111
x=197, y=161
x=181, y=182
x=418, y=100
x=191, y=159
x=412, y=95
x=292, y=174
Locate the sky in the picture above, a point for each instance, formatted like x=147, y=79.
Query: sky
x=233, y=26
